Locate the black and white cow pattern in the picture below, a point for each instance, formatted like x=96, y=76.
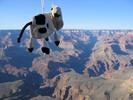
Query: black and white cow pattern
x=41, y=27
x=41, y=20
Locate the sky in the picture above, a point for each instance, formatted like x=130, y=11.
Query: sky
x=77, y=14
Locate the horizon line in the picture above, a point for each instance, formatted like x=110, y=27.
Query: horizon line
x=72, y=29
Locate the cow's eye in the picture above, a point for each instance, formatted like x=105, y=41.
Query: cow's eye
x=51, y=8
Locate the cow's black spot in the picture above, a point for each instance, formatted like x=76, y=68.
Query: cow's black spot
x=40, y=19
x=47, y=25
x=42, y=30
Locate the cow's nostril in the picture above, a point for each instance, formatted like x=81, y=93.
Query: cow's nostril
x=42, y=30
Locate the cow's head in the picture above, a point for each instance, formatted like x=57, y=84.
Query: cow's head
x=57, y=17
x=56, y=11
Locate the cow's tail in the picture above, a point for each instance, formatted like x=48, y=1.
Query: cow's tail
x=22, y=31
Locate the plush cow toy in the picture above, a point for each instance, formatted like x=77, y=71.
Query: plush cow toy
x=42, y=26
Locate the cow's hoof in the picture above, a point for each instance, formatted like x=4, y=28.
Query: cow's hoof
x=30, y=49
x=45, y=50
x=46, y=39
x=57, y=43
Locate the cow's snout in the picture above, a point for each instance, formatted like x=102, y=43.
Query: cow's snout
x=56, y=15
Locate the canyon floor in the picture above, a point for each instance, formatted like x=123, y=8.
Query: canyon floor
x=87, y=65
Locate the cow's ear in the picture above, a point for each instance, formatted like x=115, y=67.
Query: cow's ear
x=51, y=8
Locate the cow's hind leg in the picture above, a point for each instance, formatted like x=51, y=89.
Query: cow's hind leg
x=44, y=47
